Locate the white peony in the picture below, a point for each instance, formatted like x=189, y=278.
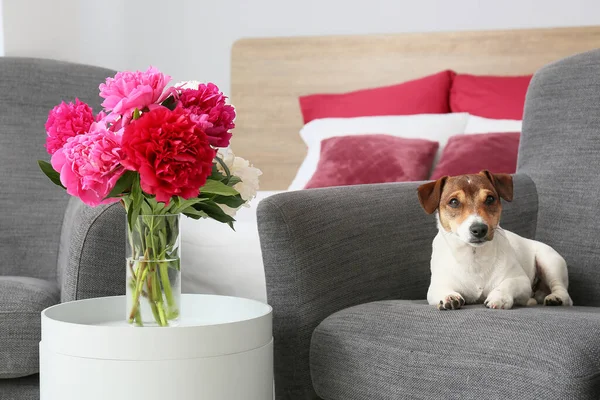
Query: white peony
x=187, y=84
x=247, y=173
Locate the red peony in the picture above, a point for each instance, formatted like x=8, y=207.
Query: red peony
x=170, y=151
x=209, y=100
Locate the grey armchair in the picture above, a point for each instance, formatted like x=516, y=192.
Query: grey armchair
x=52, y=249
x=347, y=267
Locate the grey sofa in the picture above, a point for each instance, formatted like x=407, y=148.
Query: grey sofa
x=52, y=248
x=347, y=268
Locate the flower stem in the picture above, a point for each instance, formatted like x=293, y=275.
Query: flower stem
x=138, y=318
x=151, y=297
x=158, y=299
x=153, y=241
x=161, y=313
x=224, y=166
x=138, y=291
x=166, y=284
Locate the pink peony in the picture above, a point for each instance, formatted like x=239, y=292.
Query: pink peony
x=130, y=90
x=170, y=151
x=65, y=121
x=209, y=100
x=89, y=165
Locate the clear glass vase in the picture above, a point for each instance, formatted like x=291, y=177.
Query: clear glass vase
x=153, y=271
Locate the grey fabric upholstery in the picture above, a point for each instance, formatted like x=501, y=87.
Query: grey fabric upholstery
x=26, y=388
x=559, y=150
x=32, y=206
x=35, y=222
x=91, y=258
x=21, y=302
x=328, y=249
x=410, y=350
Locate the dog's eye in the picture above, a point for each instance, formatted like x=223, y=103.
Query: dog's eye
x=453, y=203
x=489, y=200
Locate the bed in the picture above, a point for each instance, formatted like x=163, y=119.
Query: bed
x=268, y=75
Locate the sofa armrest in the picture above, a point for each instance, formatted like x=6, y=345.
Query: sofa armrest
x=91, y=256
x=328, y=249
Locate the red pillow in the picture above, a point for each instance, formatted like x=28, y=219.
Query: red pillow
x=359, y=159
x=428, y=95
x=469, y=154
x=499, y=97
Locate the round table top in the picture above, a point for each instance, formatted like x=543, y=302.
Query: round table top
x=209, y=326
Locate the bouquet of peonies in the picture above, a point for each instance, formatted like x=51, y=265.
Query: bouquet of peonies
x=161, y=151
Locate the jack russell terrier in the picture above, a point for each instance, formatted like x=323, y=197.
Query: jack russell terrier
x=474, y=260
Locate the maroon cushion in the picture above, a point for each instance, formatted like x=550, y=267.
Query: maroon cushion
x=428, y=95
x=499, y=97
x=469, y=154
x=360, y=159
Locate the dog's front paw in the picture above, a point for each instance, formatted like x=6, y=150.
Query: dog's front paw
x=499, y=300
x=451, y=302
x=555, y=300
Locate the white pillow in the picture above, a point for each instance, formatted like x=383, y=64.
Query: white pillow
x=477, y=124
x=217, y=260
x=437, y=127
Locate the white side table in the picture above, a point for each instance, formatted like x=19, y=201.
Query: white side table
x=221, y=350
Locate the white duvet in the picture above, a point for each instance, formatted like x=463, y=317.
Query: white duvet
x=218, y=260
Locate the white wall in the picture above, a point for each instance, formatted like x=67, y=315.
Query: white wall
x=191, y=39
x=1, y=31
x=41, y=28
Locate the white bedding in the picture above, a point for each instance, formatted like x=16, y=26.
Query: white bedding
x=217, y=260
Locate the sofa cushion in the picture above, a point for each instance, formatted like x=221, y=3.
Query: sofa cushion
x=26, y=388
x=410, y=350
x=21, y=301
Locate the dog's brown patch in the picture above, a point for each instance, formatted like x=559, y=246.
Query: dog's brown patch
x=458, y=197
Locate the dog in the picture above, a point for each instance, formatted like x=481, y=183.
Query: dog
x=474, y=260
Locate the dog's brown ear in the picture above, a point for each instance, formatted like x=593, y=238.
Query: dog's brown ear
x=502, y=182
x=430, y=193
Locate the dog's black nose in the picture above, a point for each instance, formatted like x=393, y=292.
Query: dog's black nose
x=479, y=230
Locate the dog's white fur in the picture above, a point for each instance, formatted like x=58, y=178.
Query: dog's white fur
x=499, y=273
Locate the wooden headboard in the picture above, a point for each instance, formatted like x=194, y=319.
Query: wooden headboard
x=268, y=75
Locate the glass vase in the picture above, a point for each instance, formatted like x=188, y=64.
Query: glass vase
x=153, y=271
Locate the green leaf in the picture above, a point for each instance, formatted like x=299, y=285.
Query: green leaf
x=136, y=114
x=193, y=213
x=213, y=211
x=162, y=237
x=137, y=197
x=230, y=201
x=233, y=180
x=47, y=169
x=157, y=208
x=181, y=204
x=124, y=183
x=126, y=202
x=219, y=188
x=146, y=209
x=215, y=174
x=130, y=219
x=170, y=103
